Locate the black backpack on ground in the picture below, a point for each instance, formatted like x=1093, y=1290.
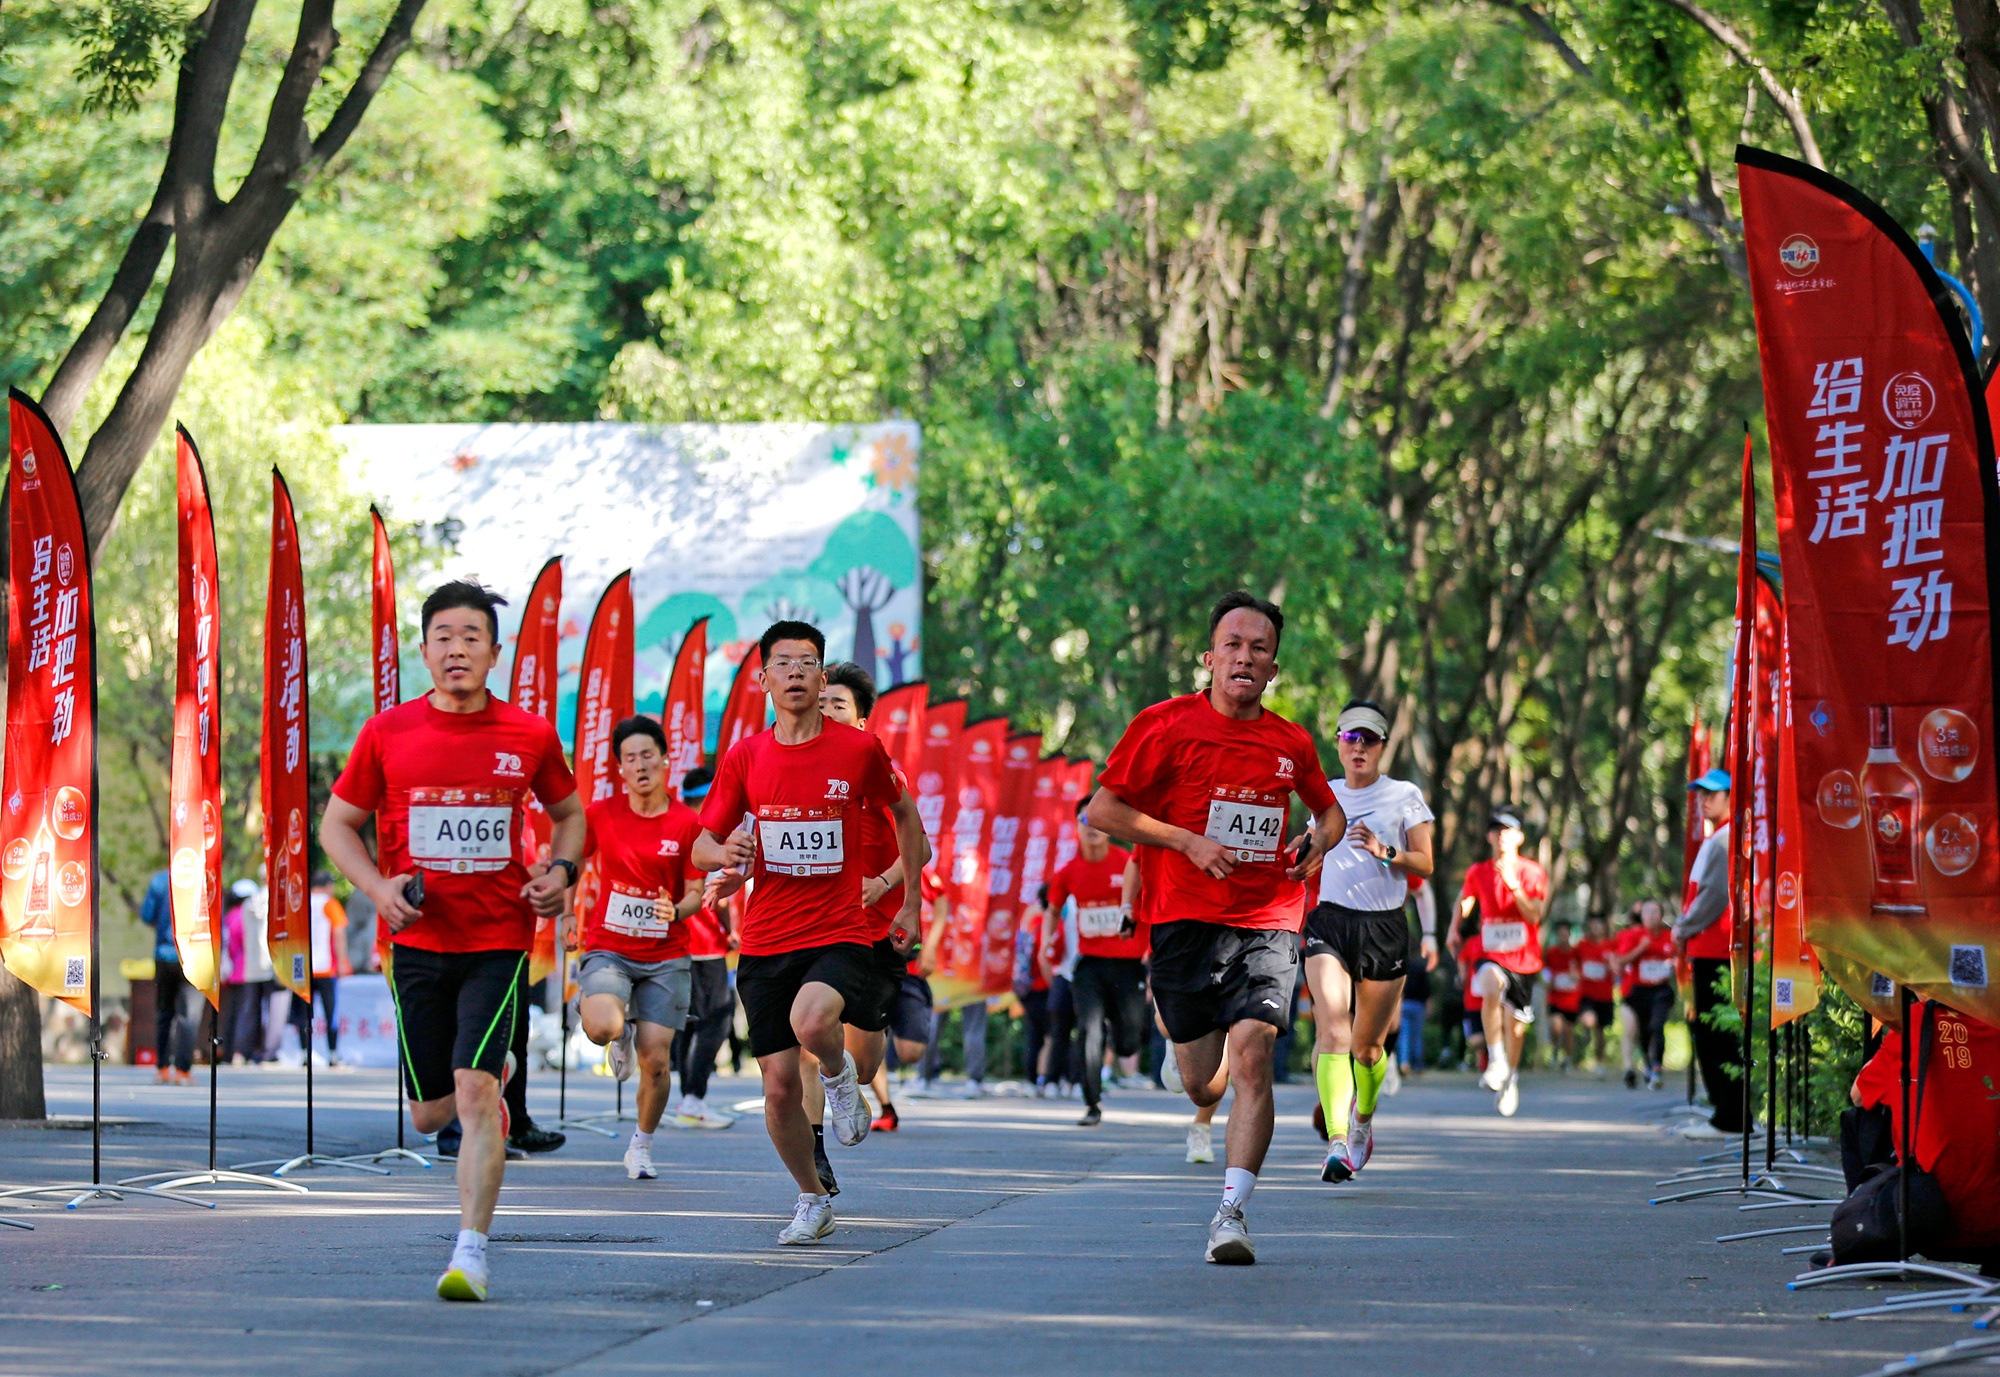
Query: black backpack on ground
x=1865, y=1224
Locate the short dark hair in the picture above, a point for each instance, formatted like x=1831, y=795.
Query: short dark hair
x=637, y=726
x=856, y=681
x=322, y=880
x=1263, y=607
x=792, y=631
x=465, y=593
x=700, y=777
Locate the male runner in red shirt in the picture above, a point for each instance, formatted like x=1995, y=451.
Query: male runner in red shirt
x=1563, y=967
x=787, y=806
x=637, y=976
x=447, y=778
x=1511, y=893
x=1595, y=991
x=1109, y=980
x=1207, y=778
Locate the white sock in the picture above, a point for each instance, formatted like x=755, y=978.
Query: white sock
x=642, y=1139
x=471, y=1246
x=1237, y=1185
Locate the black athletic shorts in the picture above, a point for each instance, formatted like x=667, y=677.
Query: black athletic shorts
x=1520, y=994
x=1370, y=945
x=1606, y=1011
x=767, y=985
x=910, y=1010
x=455, y=1011
x=1209, y=975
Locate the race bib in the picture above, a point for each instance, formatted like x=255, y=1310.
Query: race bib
x=1101, y=920
x=801, y=845
x=462, y=831
x=1595, y=970
x=1504, y=936
x=1252, y=831
x=1654, y=971
x=637, y=915
x=1564, y=981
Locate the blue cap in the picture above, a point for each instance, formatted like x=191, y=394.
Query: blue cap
x=1714, y=782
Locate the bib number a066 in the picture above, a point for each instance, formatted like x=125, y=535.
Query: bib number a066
x=1250, y=831
x=461, y=838
x=801, y=846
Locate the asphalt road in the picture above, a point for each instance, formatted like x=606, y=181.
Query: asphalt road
x=989, y=1236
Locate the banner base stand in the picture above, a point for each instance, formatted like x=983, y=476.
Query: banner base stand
x=1772, y=1233
x=305, y=1161
x=1775, y=1191
x=594, y=1123
x=210, y=1176
x=1964, y=1351
x=85, y=1190
x=396, y=1154
x=16, y=1223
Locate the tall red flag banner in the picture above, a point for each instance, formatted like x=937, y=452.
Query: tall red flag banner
x=604, y=699
x=1075, y=789
x=685, y=722
x=1004, y=848
x=48, y=830
x=936, y=778
x=744, y=711
x=1887, y=519
x=531, y=687
x=194, y=790
x=969, y=824
x=899, y=720
x=1766, y=677
x=1038, y=833
x=286, y=795
x=382, y=621
x=1794, y=967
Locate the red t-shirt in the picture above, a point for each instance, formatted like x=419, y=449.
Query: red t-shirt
x=1593, y=969
x=1561, y=966
x=449, y=792
x=639, y=861
x=1187, y=765
x=705, y=937
x=809, y=800
x=1028, y=948
x=878, y=852
x=1470, y=954
x=1650, y=956
x=1099, y=890
x=1958, y=1131
x=1510, y=937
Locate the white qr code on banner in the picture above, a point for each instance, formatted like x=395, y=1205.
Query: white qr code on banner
x=73, y=972
x=298, y=968
x=1968, y=966
x=1781, y=993
x=1880, y=985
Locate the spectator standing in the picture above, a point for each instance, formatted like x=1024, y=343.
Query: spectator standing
x=362, y=957
x=176, y=1004
x=246, y=981
x=1701, y=935
x=329, y=963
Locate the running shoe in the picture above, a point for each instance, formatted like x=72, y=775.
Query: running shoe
x=1360, y=1141
x=695, y=1113
x=1392, y=1078
x=464, y=1280
x=1229, y=1238
x=1092, y=1117
x=1509, y=1099
x=620, y=1051
x=1134, y=1082
x=828, y=1186
x=1201, y=1143
x=1653, y=1081
x=888, y=1121
x=812, y=1220
x=1495, y=1074
x=1631, y=1080
x=846, y=1111
x=1339, y=1165
x=531, y=1138
x=1170, y=1073
x=639, y=1161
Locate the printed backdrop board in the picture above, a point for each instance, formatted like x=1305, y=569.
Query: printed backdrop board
x=743, y=524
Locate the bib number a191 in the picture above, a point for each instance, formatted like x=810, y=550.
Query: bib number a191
x=1251, y=831
x=637, y=915
x=1100, y=920
x=461, y=831
x=1504, y=936
x=801, y=846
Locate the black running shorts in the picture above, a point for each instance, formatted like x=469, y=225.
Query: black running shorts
x=910, y=1010
x=1604, y=1010
x=455, y=1011
x=1209, y=976
x=768, y=985
x=1520, y=995
x=1369, y=945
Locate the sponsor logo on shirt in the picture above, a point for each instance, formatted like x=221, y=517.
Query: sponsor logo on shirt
x=670, y=846
x=507, y=763
x=1284, y=767
x=837, y=789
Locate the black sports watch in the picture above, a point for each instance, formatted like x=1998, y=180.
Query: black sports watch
x=567, y=865
x=1393, y=853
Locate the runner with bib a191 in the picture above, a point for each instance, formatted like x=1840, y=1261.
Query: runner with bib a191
x=447, y=778
x=1208, y=778
x=786, y=810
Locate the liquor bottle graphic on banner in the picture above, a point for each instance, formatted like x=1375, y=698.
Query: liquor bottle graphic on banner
x=1893, y=802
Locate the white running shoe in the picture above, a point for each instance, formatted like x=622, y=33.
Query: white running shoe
x=639, y=1161
x=846, y=1112
x=1170, y=1072
x=619, y=1051
x=1339, y=1164
x=812, y=1220
x=465, y=1279
x=1495, y=1074
x=1509, y=1099
x=1229, y=1238
x=1392, y=1077
x=1201, y=1143
x=1360, y=1141
x=695, y=1113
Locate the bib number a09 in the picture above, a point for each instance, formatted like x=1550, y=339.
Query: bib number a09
x=1102, y=920
x=637, y=915
x=801, y=846
x=461, y=838
x=1250, y=831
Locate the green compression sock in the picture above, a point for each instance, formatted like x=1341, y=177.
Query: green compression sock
x=1368, y=1084
x=1335, y=1073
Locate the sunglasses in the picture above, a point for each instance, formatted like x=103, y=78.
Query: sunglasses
x=1359, y=737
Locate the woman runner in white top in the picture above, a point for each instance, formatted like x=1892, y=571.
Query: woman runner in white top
x=1357, y=941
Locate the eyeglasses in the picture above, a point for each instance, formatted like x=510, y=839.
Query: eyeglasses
x=785, y=664
x=1361, y=738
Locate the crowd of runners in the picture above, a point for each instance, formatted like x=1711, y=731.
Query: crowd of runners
x=1192, y=907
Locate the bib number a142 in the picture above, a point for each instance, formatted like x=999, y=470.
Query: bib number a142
x=461, y=831
x=1250, y=830
x=802, y=846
